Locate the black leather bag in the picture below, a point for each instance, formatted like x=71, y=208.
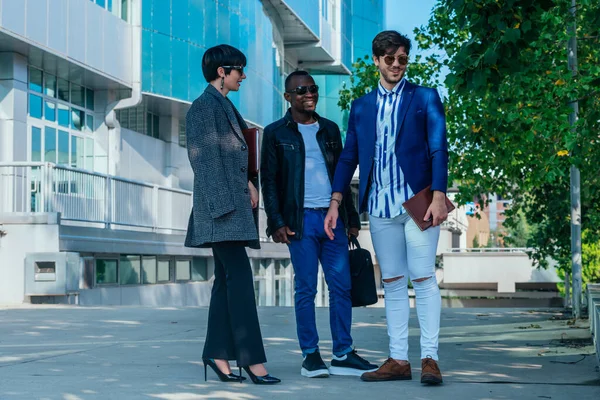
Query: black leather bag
x=364, y=291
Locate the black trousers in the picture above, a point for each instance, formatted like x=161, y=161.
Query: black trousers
x=233, y=331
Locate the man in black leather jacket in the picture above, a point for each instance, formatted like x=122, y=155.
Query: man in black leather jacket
x=299, y=156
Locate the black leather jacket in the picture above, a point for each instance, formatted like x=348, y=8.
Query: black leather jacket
x=282, y=173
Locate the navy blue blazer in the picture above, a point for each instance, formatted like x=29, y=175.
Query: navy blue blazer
x=421, y=145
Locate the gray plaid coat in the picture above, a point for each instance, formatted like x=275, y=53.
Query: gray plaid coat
x=219, y=157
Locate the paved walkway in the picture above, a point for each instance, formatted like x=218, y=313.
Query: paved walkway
x=72, y=353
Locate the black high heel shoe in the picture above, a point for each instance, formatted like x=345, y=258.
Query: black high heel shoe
x=260, y=380
x=209, y=362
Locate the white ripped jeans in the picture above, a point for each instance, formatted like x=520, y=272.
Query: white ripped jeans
x=403, y=250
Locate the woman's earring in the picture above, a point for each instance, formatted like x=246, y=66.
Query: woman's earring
x=222, y=82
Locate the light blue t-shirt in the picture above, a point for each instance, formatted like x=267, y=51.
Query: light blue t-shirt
x=317, y=187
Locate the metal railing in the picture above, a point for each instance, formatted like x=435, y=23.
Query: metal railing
x=85, y=196
x=489, y=250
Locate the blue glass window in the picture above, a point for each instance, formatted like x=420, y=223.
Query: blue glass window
x=179, y=18
x=50, y=85
x=196, y=33
x=223, y=22
x=63, y=115
x=35, y=79
x=161, y=68
x=89, y=96
x=106, y=272
x=36, y=144
x=50, y=145
x=63, y=89
x=155, y=125
x=63, y=147
x=161, y=16
x=77, y=119
x=180, y=69
x=76, y=152
x=35, y=106
x=125, y=10
x=50, y=111
x=77, y=95
x=89, y=123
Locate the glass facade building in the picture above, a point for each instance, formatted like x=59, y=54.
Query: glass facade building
x=97, y=133
x=175, y=35
x=361, y=21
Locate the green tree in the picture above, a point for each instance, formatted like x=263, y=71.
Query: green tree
x=518, y=231
x=590, y=264
x=507, y=106
x=509, y=91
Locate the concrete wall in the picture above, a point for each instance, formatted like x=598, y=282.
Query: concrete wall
x=160, y=295
x=142, y=157
x=13, y=107
x=76, y=30
x=503, y=269
x=163, y=162
x=593, y=303
x=24, y=233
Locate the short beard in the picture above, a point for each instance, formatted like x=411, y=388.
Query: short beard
x=387, y=79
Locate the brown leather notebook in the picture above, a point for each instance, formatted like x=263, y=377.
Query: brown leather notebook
x=417, y=207
x=251, y=137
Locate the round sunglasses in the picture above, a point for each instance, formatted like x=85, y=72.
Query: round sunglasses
x=300, y=90
x=402, y=59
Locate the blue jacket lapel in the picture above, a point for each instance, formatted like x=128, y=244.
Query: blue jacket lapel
x=407, y=95
x=371, y=120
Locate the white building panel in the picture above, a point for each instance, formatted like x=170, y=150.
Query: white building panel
x=76, y=30
x=58, y=17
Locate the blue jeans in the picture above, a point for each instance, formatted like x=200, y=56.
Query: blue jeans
x=306, y=253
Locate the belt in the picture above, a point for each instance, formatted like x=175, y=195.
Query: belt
x=317, y=208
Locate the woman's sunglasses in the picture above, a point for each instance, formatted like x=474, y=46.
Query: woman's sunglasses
x=236, y=67
x=402, y=59
x=300, y=90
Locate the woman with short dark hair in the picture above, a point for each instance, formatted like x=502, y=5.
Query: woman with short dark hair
x=223, y=218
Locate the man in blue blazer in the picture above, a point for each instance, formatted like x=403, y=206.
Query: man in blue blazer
x=397, y=137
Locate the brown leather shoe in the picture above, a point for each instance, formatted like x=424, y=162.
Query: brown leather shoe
x=430, y=372
x=389, y=371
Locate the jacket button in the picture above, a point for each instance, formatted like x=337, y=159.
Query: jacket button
x=243, y=169
x=245, y=190
x=244, y=148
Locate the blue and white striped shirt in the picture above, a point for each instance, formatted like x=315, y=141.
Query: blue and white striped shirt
x=389, y=189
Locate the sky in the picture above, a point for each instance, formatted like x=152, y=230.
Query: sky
x=405, y=15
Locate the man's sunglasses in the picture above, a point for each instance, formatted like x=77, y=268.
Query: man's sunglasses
x=300, y=90
x=402, y=59
x=237, y=67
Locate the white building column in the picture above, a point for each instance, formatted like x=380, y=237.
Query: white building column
x=289, y=273
x=107, y=151
x=169, y=133
x=113, y=137
x=270, y=283
x=14, y=138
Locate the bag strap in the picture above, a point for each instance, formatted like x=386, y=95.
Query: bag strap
x=353, y=241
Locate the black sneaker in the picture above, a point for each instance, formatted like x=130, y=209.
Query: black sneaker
x=351, y=364
x=314, y=367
